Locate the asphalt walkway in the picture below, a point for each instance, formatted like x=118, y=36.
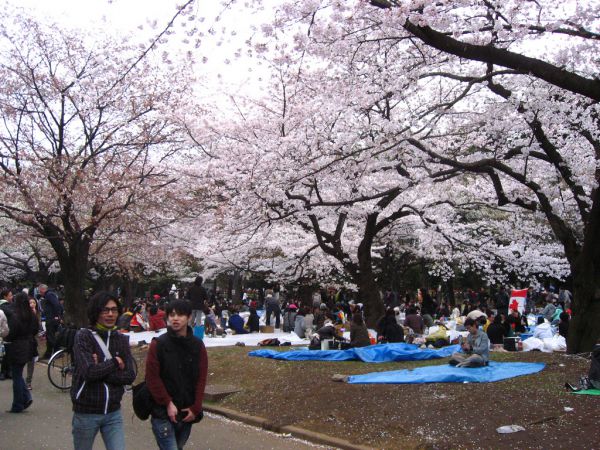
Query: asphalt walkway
x=47, y=425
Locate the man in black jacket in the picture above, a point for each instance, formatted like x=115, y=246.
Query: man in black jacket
x=53, y=312
x=103, y=366
x=176, y=372
x=197, y=296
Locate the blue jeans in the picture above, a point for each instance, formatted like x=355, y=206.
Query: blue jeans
x=169, y=435
x=86, y=426
x=21, y=395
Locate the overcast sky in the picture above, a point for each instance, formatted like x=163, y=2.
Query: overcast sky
x=222, y=69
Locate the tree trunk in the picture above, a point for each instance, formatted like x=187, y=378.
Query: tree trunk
x=128, y=292
x=74, y=267
x=369, y=295
x=75, y=302
x=584, y=329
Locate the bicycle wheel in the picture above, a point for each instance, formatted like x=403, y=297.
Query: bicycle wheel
x=60, y=370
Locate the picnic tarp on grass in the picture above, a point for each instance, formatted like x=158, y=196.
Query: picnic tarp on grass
x=588, y=392
x=446, y=373
x=371, y=354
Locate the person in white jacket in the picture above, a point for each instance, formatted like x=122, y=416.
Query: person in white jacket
x=543, y=330
x=3, y=325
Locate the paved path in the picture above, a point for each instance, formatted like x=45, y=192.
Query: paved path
x=47, y=425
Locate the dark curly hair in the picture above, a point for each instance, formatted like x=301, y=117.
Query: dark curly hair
x=99, y=301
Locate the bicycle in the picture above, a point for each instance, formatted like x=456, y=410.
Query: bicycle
x=61, y=368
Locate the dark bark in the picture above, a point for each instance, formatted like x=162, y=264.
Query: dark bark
x=584, y=330
x=365, y=278
x=368, y=292
x=75, y=301
x=73, y=258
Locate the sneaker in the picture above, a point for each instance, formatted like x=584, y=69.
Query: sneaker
x=29, y=386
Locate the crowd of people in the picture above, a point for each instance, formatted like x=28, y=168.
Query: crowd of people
x=102, y=356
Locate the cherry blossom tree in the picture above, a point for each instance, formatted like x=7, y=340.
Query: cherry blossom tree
x=505, y=91
x=320, y=172
x=88, y=137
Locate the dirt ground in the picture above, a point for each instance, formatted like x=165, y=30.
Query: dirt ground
x=433, y=416
x=427, y=416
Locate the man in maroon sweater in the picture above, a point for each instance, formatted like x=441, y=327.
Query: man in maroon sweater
x=176, y=369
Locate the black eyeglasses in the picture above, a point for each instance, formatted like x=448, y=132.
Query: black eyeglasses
x=110, y=310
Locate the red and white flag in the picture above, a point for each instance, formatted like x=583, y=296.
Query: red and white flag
x=518, y=297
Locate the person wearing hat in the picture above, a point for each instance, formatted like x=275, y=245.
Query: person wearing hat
x=289, y=318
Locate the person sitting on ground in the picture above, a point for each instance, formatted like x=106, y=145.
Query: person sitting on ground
x=253, y=321
x=137, y=322
x=543, y=330
x=359, y=334
x=124, y=320
x=299, y=323
x=549, y=309
x=210, y=320
x=156, y=318
x=476, y=348
x=514, y=322
x=443, y=310
x=496, y=331
x=397, y=315
x=455, y=313
x=465, y=308
x=308, y=325
x=388, y=329
x=490, y=319
x=236, y=323
x=329, y=331
x=414, y=321
x=563, y=326
x=476, y=314
x=556, y=316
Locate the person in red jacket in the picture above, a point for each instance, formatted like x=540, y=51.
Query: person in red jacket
x=156, y=318
x=176, y=370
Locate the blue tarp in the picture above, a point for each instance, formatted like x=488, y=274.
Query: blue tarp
x=495, y=371
x=372, y=354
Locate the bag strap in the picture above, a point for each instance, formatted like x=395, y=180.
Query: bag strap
x=102, y=345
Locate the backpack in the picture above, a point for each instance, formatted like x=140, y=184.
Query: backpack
x=65, y=337
x=142, y=401
x=273, y=342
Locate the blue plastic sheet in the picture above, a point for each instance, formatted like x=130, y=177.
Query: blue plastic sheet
x=373, y=353
x=495, y=371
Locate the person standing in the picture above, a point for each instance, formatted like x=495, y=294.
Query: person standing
x=197, y=296
x=31, y=363
x=176, y=371
x=6, y=308
x=23, y=327
x=272, y=307
x=103, y=366
x=53, y=312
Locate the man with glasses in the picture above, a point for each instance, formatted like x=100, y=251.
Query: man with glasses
x=103, y=366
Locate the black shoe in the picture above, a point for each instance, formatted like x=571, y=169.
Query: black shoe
x=14, y=411
x=27, y=404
